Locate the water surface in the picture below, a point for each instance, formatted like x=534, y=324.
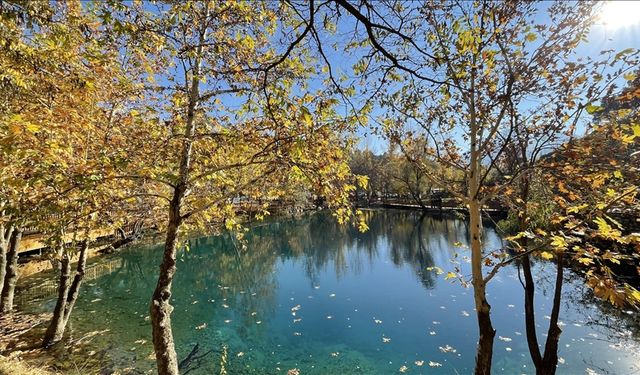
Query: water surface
x=311, y=295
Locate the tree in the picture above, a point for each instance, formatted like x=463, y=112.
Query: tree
x=55, y=146
x=49, y=86
x=525, y=165
x=455, y=77
x=228, y=123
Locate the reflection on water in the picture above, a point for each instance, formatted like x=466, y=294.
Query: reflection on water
x=311, y=295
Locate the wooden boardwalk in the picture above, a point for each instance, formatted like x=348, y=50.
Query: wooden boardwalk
x=36, y=242
x=408, y=205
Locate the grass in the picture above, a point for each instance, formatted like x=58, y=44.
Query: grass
x=14, y=366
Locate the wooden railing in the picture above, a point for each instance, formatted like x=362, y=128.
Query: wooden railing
x=49, y=287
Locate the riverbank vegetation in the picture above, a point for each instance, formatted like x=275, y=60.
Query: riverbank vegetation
x=176, y=116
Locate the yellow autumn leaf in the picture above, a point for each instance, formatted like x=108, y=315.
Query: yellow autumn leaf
x=586, y=261
x=546, y=255
x=559, y=243
x=15, y=129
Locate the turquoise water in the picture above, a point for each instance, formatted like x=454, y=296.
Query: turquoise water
x=310, y=295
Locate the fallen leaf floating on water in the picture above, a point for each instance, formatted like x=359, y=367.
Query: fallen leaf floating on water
x=201, y=326
x=293, y=371
x=141, y=341
x=403, y=369
x=447, y=349
x=386, y=339
x=505, y=339
x=419, y=363
x=435, y=364
x=96, y=300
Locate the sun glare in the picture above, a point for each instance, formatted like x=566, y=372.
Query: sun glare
x=620, y=13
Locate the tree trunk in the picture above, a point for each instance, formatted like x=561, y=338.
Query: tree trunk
x=11, y=273
x=483, y=309
x=164, y=347
x=56, y=329
x=484, y=352
x=529, y=284
x=529, y=312
x=550, y=359
x=5, y=238
x=160, y=309
x=67, y=296
x=74, y=290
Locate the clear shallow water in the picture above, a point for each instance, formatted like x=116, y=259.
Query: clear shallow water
x=311, y=295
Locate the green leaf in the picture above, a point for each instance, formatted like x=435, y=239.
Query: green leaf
x=306, y=116
x=591, y=109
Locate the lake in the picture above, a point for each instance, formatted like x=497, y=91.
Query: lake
x=311, y=295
